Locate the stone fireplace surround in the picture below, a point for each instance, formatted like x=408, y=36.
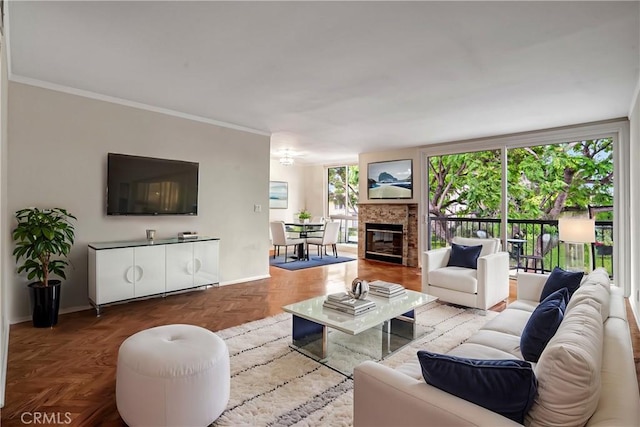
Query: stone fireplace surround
x=391, y=213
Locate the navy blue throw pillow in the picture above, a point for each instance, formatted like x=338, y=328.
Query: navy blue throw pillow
x=543, y=324
x=464, y=256
x=507, y=387
x=559, y=279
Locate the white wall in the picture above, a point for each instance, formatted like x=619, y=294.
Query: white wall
x=4, y=235
x=294, y=176
x=634, y=118
x=57, y=151
x=315, y=178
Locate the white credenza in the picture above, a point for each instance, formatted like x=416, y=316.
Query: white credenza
x=121, y=271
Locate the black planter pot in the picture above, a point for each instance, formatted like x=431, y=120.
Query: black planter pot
x=604, y=250
x=45, y=302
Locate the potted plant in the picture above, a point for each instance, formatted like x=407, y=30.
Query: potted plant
x=43, y=241
x=304, y=216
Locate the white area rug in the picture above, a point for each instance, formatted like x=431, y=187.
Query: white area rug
x=273, y=385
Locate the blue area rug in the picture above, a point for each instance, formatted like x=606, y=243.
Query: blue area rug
x=315, y=261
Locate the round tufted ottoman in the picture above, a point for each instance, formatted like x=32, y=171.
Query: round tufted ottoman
x=173, y=375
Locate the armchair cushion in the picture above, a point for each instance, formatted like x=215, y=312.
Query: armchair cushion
x=507, y=387
x=455, y=278
x=543, y=324
x=559, y=279
x=464, y=256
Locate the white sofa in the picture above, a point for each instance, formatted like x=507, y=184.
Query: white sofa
x=385, y=396
x=482, y=288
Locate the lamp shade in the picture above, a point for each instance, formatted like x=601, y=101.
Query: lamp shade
x=577, y=230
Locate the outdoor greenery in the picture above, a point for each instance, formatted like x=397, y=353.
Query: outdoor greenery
x=343, y=189
x=543, y=181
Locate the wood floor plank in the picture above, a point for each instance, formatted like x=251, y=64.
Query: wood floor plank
x=71, y=368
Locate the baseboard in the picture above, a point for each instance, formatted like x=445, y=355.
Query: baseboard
x=61, y=311
x=245, y=279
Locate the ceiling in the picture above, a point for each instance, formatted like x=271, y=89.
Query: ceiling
x=329, y=80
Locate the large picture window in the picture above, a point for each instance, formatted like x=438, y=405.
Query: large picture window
x=543, y=183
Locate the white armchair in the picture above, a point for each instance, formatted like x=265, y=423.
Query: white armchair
x=481, y=288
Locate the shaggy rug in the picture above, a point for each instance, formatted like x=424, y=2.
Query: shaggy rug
x=274, y=385
x=313, y=261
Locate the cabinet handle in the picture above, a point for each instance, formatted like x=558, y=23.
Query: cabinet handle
x=190, y=267
x=198, y=264
x=128, y=275
x=140, y=271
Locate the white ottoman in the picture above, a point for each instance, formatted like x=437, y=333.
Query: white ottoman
x=174, y=375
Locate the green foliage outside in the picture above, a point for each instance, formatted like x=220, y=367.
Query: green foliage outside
x=343, y=190
x=543, y=181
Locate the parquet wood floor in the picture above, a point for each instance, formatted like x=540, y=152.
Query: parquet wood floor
x=70, y=370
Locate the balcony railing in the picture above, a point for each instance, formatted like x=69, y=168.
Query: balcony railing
x=532, y=244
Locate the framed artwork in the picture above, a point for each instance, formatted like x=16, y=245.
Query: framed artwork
x=390, y=180
x=278, y=195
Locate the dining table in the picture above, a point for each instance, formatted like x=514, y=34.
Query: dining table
x=304, y=230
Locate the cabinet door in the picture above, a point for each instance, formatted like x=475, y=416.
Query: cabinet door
x=179, y=266
x=205, y=262
x=149, y=264
x=114, y=275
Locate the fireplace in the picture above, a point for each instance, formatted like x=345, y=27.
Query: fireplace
x=384, y=242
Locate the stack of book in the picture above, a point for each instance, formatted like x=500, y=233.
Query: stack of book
x=385, y=289
x=344, y=303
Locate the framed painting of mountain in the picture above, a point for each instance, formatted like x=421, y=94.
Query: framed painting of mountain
x=392, y=179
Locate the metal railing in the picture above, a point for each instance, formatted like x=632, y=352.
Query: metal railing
x=532, y=244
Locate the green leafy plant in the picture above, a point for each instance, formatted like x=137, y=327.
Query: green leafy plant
x=304, y=214
x=43, y=240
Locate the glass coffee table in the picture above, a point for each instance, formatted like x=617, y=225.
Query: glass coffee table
x=342, y=341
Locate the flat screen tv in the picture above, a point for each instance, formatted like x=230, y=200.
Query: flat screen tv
x=149, y=186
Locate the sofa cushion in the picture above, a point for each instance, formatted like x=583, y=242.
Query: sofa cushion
x=464, y=256
x=599, y=276
x=479, y=351
x=525, y=305
x=510, y=321
x=568, y=371
x=507, y=387
x=455, y=278
x=498, y=340
x=591, y=291
x=543, y=324
x=559, y=279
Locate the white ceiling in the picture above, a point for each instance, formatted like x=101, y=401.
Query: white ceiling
x=330, y=80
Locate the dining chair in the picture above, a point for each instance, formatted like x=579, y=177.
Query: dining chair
x=279, y=238
x=329, y=238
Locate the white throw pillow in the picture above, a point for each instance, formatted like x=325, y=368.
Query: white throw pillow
x=591, y=291
x=599, y=276
x=568, y=371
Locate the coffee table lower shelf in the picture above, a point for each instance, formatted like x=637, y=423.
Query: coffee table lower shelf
x=343, y=351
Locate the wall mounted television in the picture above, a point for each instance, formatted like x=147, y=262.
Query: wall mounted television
x=148, y=186
x=390, y=180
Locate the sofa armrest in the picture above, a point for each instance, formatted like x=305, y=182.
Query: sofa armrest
x=530, y=285
x=435, y=258
x=385, y=397
x=493, y=279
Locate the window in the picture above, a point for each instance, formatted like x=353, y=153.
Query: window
x=342, y=198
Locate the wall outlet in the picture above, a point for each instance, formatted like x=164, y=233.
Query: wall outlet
x=257, y=208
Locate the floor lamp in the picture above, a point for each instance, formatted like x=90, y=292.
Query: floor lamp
x=575, y=232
